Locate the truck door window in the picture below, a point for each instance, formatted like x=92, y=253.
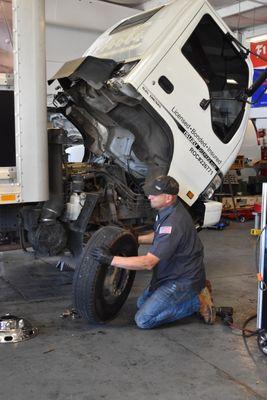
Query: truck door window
x=225, y=72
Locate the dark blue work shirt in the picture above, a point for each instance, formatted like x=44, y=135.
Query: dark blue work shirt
x=177, y=245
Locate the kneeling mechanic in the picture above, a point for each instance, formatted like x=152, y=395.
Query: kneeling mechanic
x=178, y=287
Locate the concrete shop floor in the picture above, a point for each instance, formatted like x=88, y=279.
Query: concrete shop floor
x=70, y=360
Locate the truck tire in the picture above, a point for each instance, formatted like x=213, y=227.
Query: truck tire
x=99, y=291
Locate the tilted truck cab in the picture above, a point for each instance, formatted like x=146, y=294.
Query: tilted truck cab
x=160, y=91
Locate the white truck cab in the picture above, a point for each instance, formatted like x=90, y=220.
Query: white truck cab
x=165, y=86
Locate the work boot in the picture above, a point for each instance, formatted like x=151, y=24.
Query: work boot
x=208, y=286
x=207, y=309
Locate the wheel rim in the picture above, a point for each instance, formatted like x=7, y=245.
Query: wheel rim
x=262, y=342
x=114, y=284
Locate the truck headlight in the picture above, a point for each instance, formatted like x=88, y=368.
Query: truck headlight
x=215, y=184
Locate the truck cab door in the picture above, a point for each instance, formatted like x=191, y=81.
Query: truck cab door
x=192, y=86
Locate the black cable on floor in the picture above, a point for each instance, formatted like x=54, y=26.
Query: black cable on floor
x=253, y=333
x=257, y=333
x=246, y=336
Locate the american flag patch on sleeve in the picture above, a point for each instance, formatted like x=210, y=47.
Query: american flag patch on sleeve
x=165, y=229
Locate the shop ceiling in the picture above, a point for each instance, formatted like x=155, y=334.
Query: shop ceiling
x=238, y=14
x=96, y=15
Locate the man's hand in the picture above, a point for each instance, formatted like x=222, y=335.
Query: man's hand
x=102, y=255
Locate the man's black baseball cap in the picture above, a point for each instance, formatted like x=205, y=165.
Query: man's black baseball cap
x=162, y=184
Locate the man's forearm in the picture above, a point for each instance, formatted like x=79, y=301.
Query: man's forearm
x=135, y=263
x=146, y=239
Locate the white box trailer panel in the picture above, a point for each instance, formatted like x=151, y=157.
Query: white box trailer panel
x=25, y=179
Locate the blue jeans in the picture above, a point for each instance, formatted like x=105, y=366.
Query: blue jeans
x=165, y=304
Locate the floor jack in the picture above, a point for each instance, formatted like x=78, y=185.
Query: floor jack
x=262, y=277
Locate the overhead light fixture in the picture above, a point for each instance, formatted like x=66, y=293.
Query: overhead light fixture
x=233, y=81
x=259, y=38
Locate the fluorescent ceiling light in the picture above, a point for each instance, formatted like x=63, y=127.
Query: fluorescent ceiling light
x=231, y=81
x=259, y=38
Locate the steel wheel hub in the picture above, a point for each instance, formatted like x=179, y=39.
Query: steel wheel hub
x=14, y=329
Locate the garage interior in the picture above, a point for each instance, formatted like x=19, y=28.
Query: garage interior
x=184, y=360
x=71, y=359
